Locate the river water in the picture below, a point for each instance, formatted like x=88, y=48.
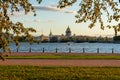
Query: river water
x=65, y=47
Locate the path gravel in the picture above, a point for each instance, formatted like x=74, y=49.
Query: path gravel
x=49, y=62
x=60, y=62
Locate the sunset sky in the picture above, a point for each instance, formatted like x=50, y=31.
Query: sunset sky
x=49, y=17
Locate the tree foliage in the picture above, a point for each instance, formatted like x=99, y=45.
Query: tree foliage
x=9, y=31
x=93, y=11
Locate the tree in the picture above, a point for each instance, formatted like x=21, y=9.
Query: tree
x=116, y=28
x=116, y=38
x=7, y=27
x=93, y=11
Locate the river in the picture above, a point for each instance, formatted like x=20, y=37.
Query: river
x=65, y=47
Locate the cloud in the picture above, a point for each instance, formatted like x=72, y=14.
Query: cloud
x=41, y=21
x=37, y=21
x=16, y=14
x=53, y=9
x=47, y=8
x=20, y=13
x=70, y=11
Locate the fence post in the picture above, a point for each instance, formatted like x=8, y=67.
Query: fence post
x=83, y=50
x=43, y=50
x=112, y=50
x=97, y=50
x=17, y=49
x=69, y=50
x=30, y=49
x=56, y=50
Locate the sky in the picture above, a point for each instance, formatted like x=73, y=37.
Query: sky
x=49, y=17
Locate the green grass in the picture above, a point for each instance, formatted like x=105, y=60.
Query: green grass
x=66, y=57
x=58, y=73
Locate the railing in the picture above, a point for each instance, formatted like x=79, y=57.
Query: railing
x=68, y=50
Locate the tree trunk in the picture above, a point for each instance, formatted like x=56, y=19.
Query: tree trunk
x=115, y=29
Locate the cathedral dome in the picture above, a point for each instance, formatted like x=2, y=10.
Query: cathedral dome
x=68, y=32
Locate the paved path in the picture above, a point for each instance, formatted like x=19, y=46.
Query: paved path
x=59, y=62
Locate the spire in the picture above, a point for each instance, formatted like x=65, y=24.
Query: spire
x=50, y=33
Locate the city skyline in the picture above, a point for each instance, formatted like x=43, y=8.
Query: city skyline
x=50, y=17
x=72, y=34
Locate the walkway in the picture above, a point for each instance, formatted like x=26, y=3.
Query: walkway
x=59, y=62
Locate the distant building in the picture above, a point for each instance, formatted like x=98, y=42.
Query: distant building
x=58, y=38
x=68, y=37
x=41, y=38
x=68, y=32
x=44, y=38
x=37, y=38
x=55, y=38
x=50, y=35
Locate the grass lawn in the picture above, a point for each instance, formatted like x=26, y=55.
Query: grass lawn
x=58, y=73
x=58, y=56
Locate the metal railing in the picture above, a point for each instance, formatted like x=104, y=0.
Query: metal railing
x=67, y=50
